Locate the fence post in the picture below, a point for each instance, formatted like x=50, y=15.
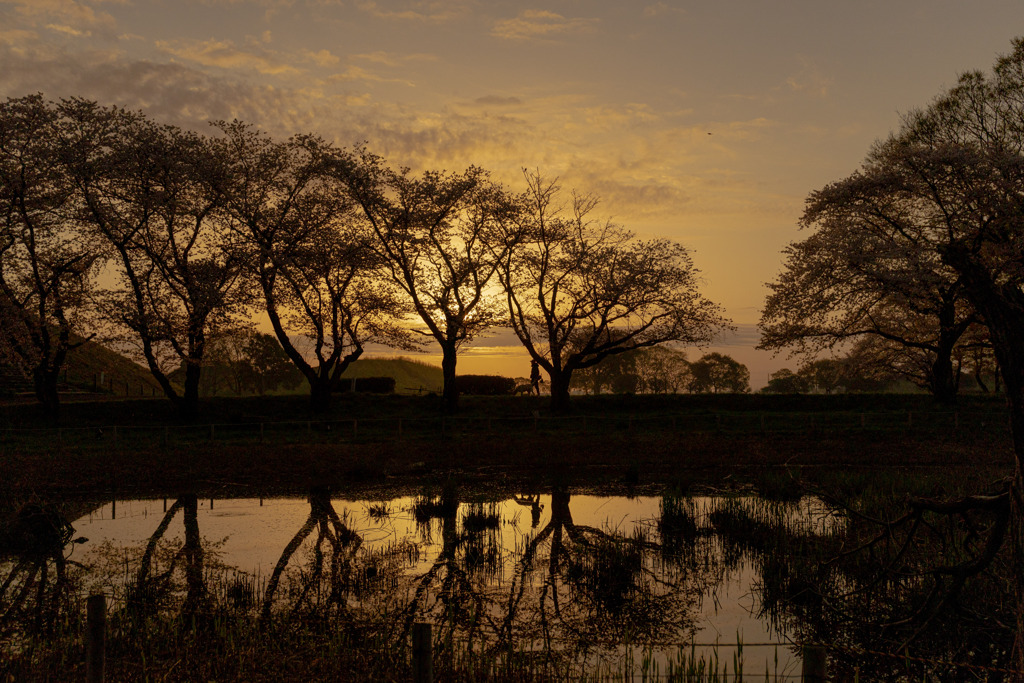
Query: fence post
x=815, y=668
x=213, y=433
x=96, y=632
x=422, y=654
x=355, y=428
x=399, y=428
x=114, y=431
x=261, y=432
x=956, y=420
x=862, y=420
x=910, y=419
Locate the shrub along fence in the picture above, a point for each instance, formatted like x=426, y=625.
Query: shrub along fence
x=396, y=428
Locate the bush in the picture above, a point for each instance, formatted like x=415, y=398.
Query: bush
x=486, y=385
x=375, y=385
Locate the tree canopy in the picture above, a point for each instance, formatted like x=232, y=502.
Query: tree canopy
x=580, y=290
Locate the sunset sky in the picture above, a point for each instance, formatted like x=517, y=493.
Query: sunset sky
x=704, y=122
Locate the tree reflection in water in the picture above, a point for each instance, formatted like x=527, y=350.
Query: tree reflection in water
x=34, y=594
x=893, y=578
x=578, y=588
x=335, y=546
x=153, y=587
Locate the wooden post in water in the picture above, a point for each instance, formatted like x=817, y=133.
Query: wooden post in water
x=399, y=428
x=96, y=634
x=815, y=668
x=422, y=654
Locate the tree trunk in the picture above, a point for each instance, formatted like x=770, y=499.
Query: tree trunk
x=450, y=395
x=188, y=405
x=943, y=382
x=560, y=391
x=320, y=392
x=44, y=382
x=1002, y=307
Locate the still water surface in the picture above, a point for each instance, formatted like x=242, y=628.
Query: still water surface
x=591, y=571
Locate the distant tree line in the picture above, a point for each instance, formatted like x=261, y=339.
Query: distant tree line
x=167, y=243
x=664, y=370
x=869, y=368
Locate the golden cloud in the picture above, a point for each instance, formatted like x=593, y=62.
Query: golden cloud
x=425, y=11
x=225, y=55
x=66, y=13
x=659, y=9
x=540, y=24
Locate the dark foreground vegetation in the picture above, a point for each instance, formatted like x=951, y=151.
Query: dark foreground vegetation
x=273, y=444
x=909, y=581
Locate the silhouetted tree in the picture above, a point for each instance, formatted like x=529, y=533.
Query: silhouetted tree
x=442, y=236
x=952, y=178
x=247, y=362
x=579, y=290
x=662, y=370
x=47, y=262
x=785, y=381
x=856, y=277
x=320, y=276
x=717, y=373
x=147, y=191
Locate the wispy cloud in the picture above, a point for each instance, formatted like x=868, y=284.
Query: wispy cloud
x=68, y=30
x=660, y=9
x=70, y=14
x=497, y=101
x=535, y=24
x=322, y=58
x=393, y=58
x=356, y=73
x=226, y=55
x=809, y=79
x=425, y=11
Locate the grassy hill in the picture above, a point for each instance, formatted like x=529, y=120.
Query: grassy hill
x=411, y=376
x=91, y=369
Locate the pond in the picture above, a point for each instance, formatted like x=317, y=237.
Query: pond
x=584, y=572
x=557, y=584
